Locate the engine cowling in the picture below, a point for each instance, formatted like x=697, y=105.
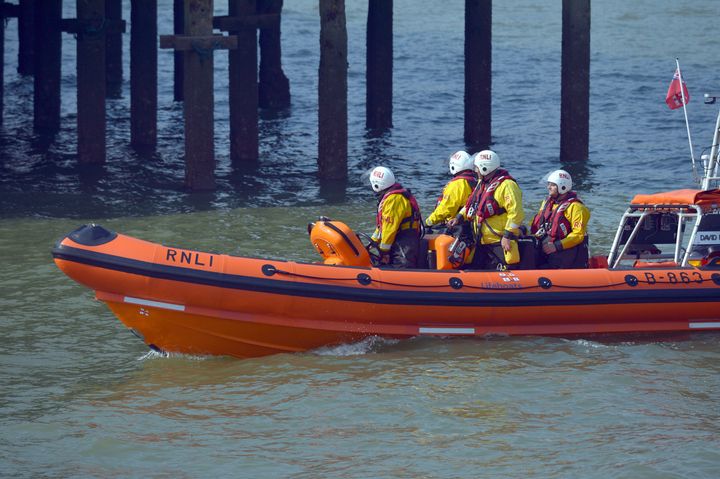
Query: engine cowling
x=338, y=244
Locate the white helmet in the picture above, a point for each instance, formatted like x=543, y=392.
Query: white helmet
x=486, y=162
x=562, y=179
x=460, y=161
x=381, y=178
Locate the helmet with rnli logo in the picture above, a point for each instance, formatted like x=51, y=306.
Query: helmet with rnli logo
x=381, y=178
x=460, y=161
x=562, y=179
x=486, y=162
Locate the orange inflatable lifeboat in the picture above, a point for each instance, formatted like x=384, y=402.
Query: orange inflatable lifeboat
x=662, y=275
x=194, y=302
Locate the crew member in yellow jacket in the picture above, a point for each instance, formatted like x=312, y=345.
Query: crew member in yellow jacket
x=561, y=224
x=456, y=191
x=496, y=212
x=398, y=221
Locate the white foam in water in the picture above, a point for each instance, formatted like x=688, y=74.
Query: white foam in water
x=152, y=354
x=365, y=346
x=588, y=344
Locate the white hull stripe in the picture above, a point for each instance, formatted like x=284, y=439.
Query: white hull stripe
x=714, y=324
x=155, y=304
x=447, y=330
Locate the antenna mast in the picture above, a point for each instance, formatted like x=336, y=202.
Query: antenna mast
x=711, y=163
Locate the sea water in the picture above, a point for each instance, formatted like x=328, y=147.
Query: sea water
x=81, y=397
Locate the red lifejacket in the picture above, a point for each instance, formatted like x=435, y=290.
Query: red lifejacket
x=397, y=189
x=466, y=175
x=482, y=200
x=556, y=225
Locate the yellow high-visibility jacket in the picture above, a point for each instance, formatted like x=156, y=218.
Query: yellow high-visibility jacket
x=508, y=197
x=578, y=215
x=395, y=214
x=454, y=196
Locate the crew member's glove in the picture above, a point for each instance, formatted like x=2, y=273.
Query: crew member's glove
x=550, y=247
x=455, y=221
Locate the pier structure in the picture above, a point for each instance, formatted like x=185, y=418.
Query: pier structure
x=379, y=66
x=197, y=45
x=256, y=81
x=478, y=74
x=575, y=81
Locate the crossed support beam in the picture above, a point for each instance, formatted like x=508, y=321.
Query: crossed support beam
x=197, y=46
x=243, y=23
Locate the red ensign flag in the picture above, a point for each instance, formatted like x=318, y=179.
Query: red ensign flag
x=674, y=98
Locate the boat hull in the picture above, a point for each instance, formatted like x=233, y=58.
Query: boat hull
x=200, y=303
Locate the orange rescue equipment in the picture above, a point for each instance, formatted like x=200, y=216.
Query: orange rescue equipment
x=446, y=259
x=338, y=244
x=705, y=199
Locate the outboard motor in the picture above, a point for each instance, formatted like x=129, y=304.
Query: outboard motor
x=337, y=243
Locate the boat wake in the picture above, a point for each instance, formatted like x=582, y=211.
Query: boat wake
x=589, y=344
x=154, y=354
x=366, y=346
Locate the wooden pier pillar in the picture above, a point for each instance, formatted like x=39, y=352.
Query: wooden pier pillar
x=178, y=29
x=199, y=99
x=26, y=40
x=198, y=44
x=46, y=95
x=274, y=86
x=478, y=73
x=379, y=60
x=143, y=73
x=2, y=62
x=242, y=23
x=332, y=91
x=243, y=93
x=91, y=81
x=113, y=51
x=575, y=81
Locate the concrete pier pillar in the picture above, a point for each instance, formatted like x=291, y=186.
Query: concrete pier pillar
x=113, y=50
x=178, y=29
x=143, y=73
x=379, y=60
x=332, y=92
x=243, y=94
x=46, y=95
x=274, y=86
x=478, y=73
x=26, y=37
x=575, y=81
